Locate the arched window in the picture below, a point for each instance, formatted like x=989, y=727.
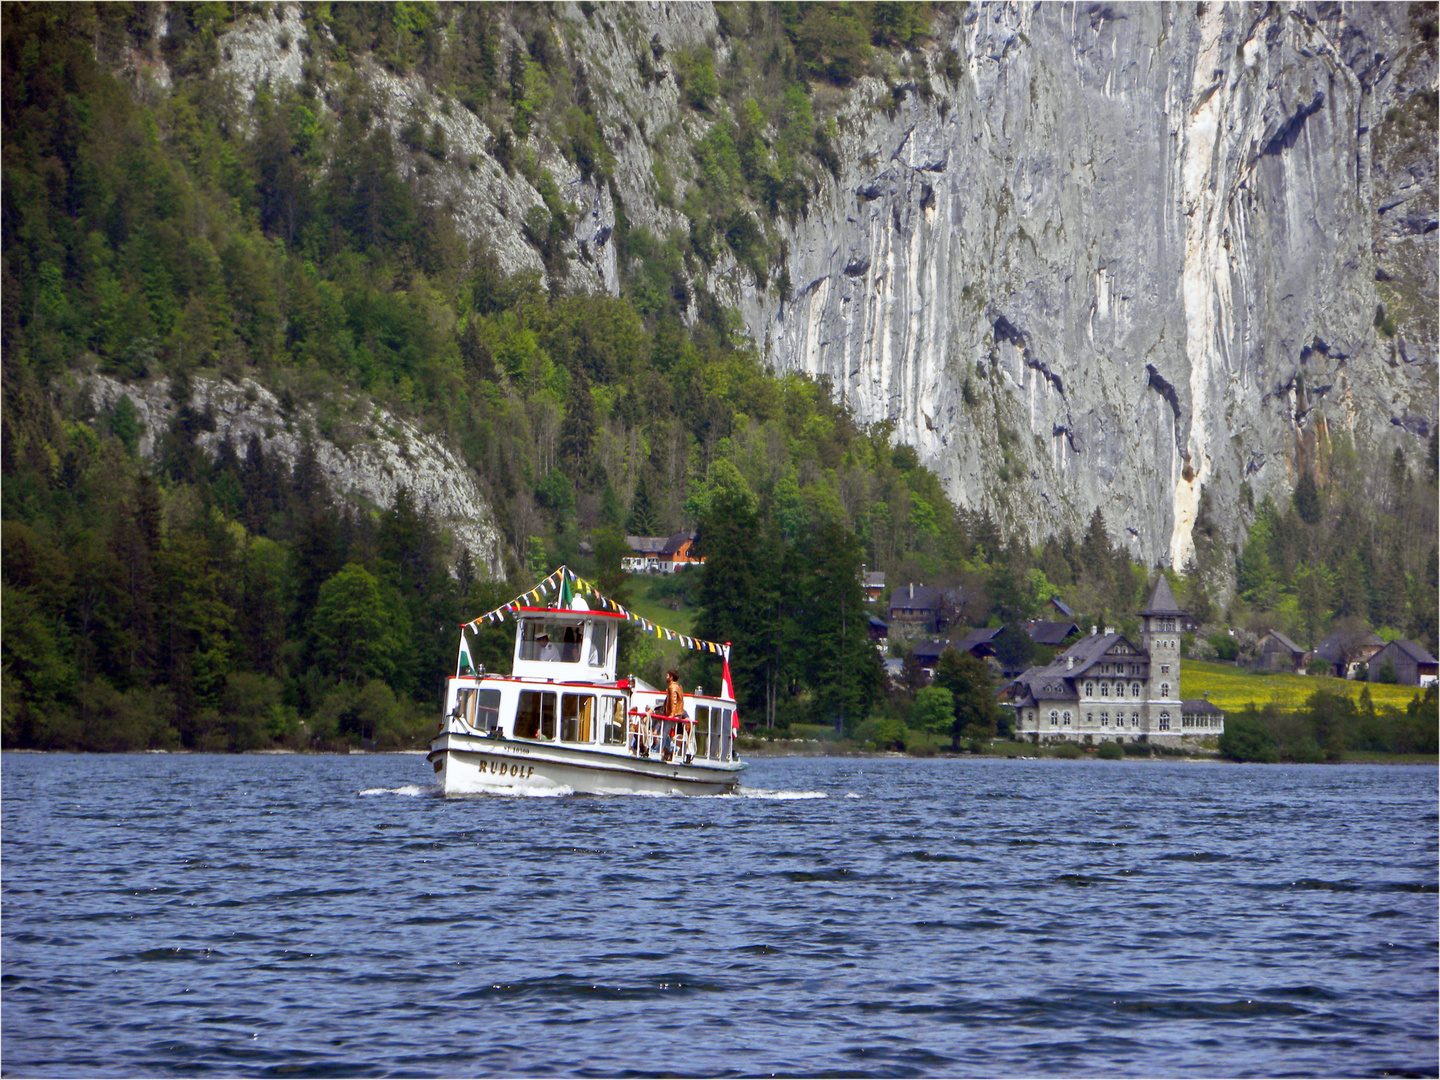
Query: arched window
x=1134, y=719
x=1135, y=690
x=1054, y=718
x=1164, y=721
x=1089, y=689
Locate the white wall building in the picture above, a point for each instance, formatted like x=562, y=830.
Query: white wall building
x=1107, y=688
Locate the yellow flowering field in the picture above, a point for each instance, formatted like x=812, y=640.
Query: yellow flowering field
x=1233, y=688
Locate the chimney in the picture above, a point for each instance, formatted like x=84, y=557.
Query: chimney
x=1094, y=629
x=1069, y=663
x=912, y=590
x=1109, y=629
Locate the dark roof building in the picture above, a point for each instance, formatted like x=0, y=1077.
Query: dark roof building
x=1276, y=652
x=1410, y=661
x=1106, y=687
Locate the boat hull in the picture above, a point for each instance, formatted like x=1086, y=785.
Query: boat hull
x=468, y=764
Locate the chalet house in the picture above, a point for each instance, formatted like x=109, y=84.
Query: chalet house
x=873, y=584
x=917, y=605
x=1347, y=650
x=659, y=554
x=927, y=654
x=1060, y=607
x=1412, y=664
x=1276, y=652
x=979, y=643
x=879, y=629
x=1107, y=688
x=1050, y=634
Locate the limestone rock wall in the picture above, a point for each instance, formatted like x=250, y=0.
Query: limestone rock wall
x=1134, y=253
x=365, y=465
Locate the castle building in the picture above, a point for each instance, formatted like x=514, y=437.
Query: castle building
x=1107, y=688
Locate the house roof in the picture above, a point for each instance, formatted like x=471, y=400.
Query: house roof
x=875, y=579
x=1062, y=607
x=877, y=623
x=1200, y=707
x=1334, y=647
x=930, y=649
x=1415, y=651
x=1162, y=600
x=675, y=542
x=1056, y=680
x=645, y=545
x=915, y=598
x=1284, y=641
x=976, y=638
x=1050, y=633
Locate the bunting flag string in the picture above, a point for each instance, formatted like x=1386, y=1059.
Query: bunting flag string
x=565, y=582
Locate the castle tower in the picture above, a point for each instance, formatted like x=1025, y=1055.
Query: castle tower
x=1160, y=625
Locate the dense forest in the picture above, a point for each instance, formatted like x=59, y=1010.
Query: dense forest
x=226, y=601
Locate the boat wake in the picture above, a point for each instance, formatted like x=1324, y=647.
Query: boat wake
x=761, y=793
x=410, y=790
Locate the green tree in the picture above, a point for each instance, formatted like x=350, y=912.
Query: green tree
x=968, y=680
x=357, y=630
x=1245, y=739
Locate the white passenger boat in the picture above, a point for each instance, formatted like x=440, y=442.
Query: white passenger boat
x=563, y=720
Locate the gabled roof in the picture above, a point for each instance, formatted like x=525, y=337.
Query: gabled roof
x=1050, y=633
x=915, y=598
x=1056, y=680
x=1415, y=651
x=930, y=650
x=1062, y=607
x=1162, y=600
x=875, y=579
x=976, y=638
x=1333, y=648
x=645, y=545
x=1284, y=641
x=675, y=542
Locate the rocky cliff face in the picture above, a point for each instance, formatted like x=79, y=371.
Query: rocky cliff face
x=1129, y=255
x=365, y=455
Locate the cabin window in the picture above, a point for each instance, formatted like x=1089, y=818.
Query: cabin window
x=540, y=641
x=577, y=718
x=465, y=706
x=612, y=713
x=535, y=715
x=487, y=711
x=599, y=645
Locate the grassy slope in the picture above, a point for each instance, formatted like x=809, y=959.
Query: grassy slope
x=1233, y=688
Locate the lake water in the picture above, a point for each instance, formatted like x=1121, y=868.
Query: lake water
x=195, y=915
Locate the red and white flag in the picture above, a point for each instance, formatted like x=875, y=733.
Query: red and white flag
x=729, y=688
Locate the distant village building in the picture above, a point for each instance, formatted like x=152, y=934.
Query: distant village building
x=1105, y=688
x=1410, y=661
x=918, y=605
x=659, y=554
x=1050, y=634
x=1276, y=652
x=873, y=584
x=1346, y=650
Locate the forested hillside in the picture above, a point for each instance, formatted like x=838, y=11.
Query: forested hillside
x=229, y=601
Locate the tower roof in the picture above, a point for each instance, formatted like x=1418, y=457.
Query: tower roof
x=1162, y=600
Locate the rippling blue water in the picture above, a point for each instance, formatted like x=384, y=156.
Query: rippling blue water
x=298, y=916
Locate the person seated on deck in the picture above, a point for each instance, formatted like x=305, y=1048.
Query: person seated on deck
x=548, y=649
